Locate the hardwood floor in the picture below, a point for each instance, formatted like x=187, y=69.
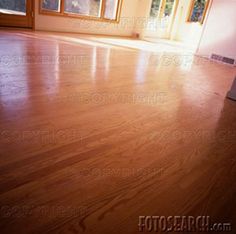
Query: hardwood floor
x=98, y=131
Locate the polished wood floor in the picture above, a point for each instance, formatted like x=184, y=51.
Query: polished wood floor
x=98, y=131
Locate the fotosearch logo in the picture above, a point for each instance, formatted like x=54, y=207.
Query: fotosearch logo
x=181, y=224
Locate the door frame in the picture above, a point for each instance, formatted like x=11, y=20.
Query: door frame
x=20, y=21
x=175, y=8
x=167, y=33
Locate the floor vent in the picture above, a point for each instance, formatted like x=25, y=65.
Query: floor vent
x=223, y=59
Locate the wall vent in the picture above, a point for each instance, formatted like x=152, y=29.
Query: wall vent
x=223, y=59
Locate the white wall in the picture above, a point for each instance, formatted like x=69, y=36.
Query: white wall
x=189, y=33
x=65, y=24
x=184, y=31
x=219, y=35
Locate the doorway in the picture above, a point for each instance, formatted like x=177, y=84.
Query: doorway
x=16, y=13
x=161, y=18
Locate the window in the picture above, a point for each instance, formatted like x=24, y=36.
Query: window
x=111, y=9
x=161, y=8
x=155, y=8
x=83, y=7
x=198, y=11
x=107, y=10
x=13, y=7
x=52, y=5
x=168, y=8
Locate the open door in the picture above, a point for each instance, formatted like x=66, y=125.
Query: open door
x=16, y=13
x=162, y=14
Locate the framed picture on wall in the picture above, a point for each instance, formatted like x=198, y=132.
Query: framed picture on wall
x=198, y=11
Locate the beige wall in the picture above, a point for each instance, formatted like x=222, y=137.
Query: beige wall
x=58, y=23
x=142, y=14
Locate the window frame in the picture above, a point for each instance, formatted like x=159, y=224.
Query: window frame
x=203, y=15
x=162, y=8
x=100, y=18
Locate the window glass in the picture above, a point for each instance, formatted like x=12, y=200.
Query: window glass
x=197, y=12
x=111, y=9
x=51, y=5
x=168, y=7
x=83, y=7
x=15, y=7
x=155, y=8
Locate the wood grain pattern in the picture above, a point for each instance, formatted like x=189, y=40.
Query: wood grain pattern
x=97, y=131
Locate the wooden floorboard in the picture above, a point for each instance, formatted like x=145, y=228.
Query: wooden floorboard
x=97, y=131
